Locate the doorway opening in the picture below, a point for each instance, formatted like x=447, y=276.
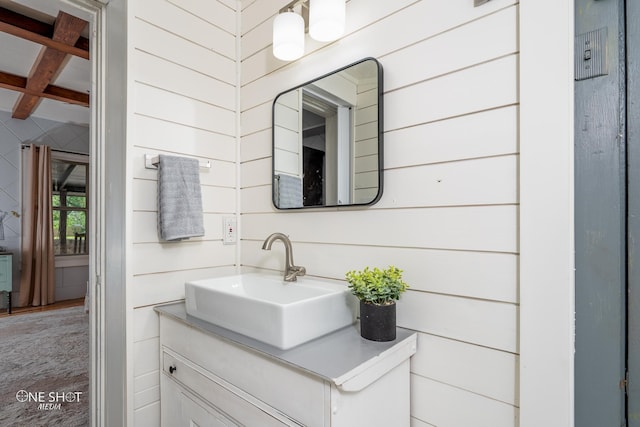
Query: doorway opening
x=79, y=217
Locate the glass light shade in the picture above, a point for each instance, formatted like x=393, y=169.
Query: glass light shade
x=326, y=19
x=288, y=36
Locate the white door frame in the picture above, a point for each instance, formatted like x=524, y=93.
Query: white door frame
x=95, y=14
x=109, y=369
x=107, y=265
x=546, y=339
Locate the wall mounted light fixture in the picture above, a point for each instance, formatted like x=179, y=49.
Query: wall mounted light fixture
x=324, y=19
x=288, y=36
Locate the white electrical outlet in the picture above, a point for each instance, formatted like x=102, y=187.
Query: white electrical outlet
x=229, y=231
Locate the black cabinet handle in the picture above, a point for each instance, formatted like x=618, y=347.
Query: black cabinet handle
x=172, y=369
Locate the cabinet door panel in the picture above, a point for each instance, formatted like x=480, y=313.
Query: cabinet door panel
x=182, y=409
x=195, y=414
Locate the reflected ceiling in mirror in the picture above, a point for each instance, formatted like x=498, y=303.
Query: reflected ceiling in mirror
x=327, y=140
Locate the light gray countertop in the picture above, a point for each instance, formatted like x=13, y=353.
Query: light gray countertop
x=339, y=357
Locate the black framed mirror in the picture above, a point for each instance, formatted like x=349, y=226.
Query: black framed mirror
x=327, y=140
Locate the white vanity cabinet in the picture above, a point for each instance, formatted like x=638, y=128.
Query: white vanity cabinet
x=213, y=377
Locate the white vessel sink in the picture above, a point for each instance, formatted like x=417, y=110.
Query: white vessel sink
x=268, y=309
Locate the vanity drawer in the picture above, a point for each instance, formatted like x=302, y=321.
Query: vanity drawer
x=228, y=400
x=301, y=396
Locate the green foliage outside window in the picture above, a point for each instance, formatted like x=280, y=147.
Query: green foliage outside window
x=75, y=221
x=72, y=201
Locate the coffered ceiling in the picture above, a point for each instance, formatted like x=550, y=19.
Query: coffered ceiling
x=45, y=69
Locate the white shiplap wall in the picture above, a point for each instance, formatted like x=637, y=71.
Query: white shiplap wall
x=183, y=85
x=365, y=143
x=449, y=213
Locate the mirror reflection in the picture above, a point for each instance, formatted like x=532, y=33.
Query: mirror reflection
x=327, y=140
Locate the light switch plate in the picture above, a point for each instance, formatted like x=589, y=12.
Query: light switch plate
x=591, y=54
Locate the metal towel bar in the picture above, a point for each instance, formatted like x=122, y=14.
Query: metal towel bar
x=151, y=162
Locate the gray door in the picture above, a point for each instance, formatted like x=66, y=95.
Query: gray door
x=607, y=172
x=633, y=138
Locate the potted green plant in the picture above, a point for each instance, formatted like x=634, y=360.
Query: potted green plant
x=378, y=290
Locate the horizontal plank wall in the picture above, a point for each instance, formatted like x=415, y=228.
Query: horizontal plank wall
x=449, y=212
x=182, y=71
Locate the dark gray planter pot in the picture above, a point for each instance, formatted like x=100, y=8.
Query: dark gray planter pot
x=378, y=322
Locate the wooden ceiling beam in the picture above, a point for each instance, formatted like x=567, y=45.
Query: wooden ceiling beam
x=19, y=84
x=39, y=32
x=67, y=29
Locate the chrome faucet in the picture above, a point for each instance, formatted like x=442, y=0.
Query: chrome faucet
x=291, y=272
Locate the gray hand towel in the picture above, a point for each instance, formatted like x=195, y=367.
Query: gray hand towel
x=179, y=198
x=289, y=191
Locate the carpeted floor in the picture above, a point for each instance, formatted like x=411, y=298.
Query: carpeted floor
x=44, y=373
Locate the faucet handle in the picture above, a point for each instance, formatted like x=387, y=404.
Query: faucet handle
x=293, y=272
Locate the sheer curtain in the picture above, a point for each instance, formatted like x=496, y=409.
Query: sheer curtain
x=37, y=281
